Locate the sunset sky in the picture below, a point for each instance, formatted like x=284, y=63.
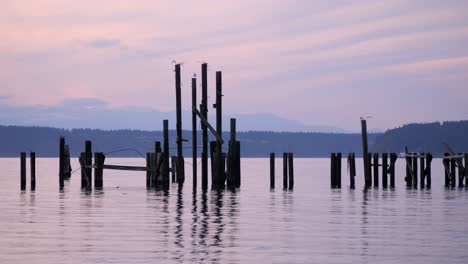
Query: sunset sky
x=317, y=62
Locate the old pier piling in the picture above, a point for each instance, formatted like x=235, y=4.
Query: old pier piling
x=165, y=165
x=291, y=170
x=98, y=169
x=375, y=165
x=451, y=163
x=219, y=177
x=233, y=157
x=384, y=170
x=391, y=169
x=180, y=169
x=352, y=169
x=272, y=170
x=365, y=155
x=148, y=172
x=194, y=133
x=23, y=171
x=32, y=161
x=335, y=172
x=285, y=171
x=61, y=162
x=204, y=127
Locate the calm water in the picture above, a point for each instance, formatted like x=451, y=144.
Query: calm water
x=125, y=223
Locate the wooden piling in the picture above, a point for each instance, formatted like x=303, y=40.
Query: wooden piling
x=237, y=164
x=32, y=160
x=157, y=147
x=367, y=177
x=285, y=171
x=384, y=170
x=62, y=162
x=272, y=170
x=98, y=169
x=452, y=172
x=338, y=170
x=428, y=171
x=415, y=171
x=194, y=133
x=204, y=113
x=393, y=159
x=291, y=170
x=231, y=159
x=352, y=169
x=23, y=171
x=376, y=169
x=89, y=161
x=148, y=170
x=67, y=164
x=369, y=168
x=409, y=174
x=180, y=156
x=220, y=171
x=461, y=171
x=446, y=163
x=333, y=183
x=465, y=156
x=422, y=171
x=174, y=168
x=165, y=165
x=82, y=160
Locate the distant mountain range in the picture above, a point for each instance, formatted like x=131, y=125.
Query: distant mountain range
x=130, y=143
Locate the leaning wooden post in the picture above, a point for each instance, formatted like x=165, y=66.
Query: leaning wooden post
x=23, y=171
x=204, y=113
x=352, y=170
x=376, y=169
x=291, y=170
x=194, y=132
x=415, y=170
x=452, y=172
x=89, y=161
x=367, y=177
x=231, y=162
x=272, y=170
x=148, y=170
x=61, y=162
x=165, y=174
x=422, y=170
x=445, y=161
x=393, y=159
x=285, y=171
x=220, y=171
x=428, y=170
x=333, y=170
x=180, y=156
x=32, y=157
x=384, y=170
x=98, y=169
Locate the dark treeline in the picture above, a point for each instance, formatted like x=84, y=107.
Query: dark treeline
x=429, y=137
x=45, y=142
x=418, y=137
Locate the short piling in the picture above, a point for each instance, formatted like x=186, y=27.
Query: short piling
x=409, y=174
x=62, y=162
x=272, y=170
x=352, y=169
x=291, y=170
x=393, y=159
x=231, y=177
x=376, y=169
x=384, y=170
x=452, y=173
x=338, y=169
x=461, y=171
x=23, y=171
x=333, y=181
x=422, y=170
x=165, y=171
x=465, y=156
x=428, y=172
x=415, y=171
x=98, y=169
x=173, y=168
x=148, y=170
x=446, y=164
x=89, y=161
x=32, y=160
x=285, y=171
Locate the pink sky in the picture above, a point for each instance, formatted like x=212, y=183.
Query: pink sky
x=318, y=62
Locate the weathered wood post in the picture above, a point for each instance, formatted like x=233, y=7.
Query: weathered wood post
x=180, y=156
x=62, y=162
x=465, y=157
x=174, y=168
x=422, y=170
x=204, y=113
x=285, y=171
x=238, y=164
x=82, y=160
x=452, y=172
x=23, y=171
x=338, y=170
x=272, y=170
x=445, y=161
x=393, y=159
x=415, y=170
x=89, y=161
x=220, y=178
x=32, y=160
x=384, y=170
x=291, y=170
x=367, y=177
x=67, y=163
x=148, y=170
x=352, y=169
x=194, y=132
x=461, y=170
x=231, y=160
x=369, y=168
x=98, y=169
x=333, y=182
x=428, y=170
x=376, y=169
x=165, y=174
x=157, y=147
x=409, y=174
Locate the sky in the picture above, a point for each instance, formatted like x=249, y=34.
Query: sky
x=317, y=63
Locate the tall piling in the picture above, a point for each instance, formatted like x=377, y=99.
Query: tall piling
x=194, y=132
x=272, y=170
x=333, y=181
x=285, y=171
x=23, y=171
x=219, y=178
x=165, y=171
x=384, y=170
x=291, y=170
x=376, y=169
x=32, y=160
x=367, y=177
x=62, y=162
x=204, y=113
x=180, y=159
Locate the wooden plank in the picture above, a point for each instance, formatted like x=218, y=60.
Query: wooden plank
x=124, y=167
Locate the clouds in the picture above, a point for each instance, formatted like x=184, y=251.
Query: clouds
x=323, y=62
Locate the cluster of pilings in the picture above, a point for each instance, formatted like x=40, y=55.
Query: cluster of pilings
x=451, y=164
x=411, y=178
x=157, y=164
x=32, y=160
x=288, y=171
